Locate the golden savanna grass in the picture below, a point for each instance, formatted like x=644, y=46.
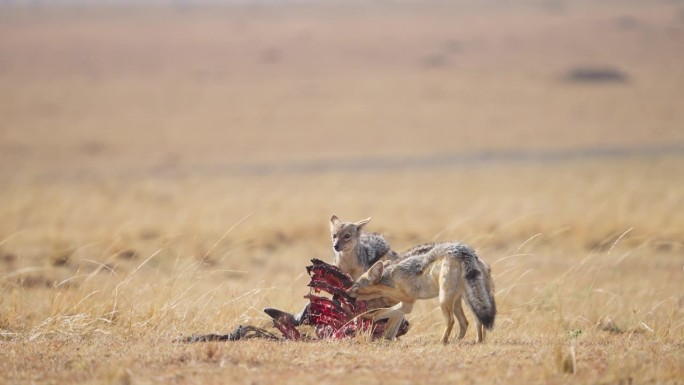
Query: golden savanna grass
x=169, y=171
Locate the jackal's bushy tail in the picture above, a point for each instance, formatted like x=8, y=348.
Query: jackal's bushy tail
x=479, y=287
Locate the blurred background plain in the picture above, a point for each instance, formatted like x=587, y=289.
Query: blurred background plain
x=104, y=88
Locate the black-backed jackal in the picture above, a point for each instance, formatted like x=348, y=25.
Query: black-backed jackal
x=449, y=271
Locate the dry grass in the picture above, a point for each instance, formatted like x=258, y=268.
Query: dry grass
x=105, y=279
x=137, y=203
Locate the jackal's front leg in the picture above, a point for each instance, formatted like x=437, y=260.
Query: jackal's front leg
x=394, y=316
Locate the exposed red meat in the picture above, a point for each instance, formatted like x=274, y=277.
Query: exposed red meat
x=335, y=317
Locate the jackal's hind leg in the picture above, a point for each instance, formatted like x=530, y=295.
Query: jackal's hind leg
x=448, y=311
x=480, y=331
x=460, y=316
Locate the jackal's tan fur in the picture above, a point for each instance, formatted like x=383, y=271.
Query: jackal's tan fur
x=448, y=270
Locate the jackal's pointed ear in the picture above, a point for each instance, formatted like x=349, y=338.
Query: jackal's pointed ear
x=375, y=272
x=334, y=220
x=362, y=223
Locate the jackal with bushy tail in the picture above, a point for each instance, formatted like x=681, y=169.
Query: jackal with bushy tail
x=449, y=271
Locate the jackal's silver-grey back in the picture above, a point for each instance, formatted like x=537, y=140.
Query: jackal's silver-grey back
x=479, y=286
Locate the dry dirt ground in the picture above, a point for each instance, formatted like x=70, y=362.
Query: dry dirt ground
x=170, y=170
